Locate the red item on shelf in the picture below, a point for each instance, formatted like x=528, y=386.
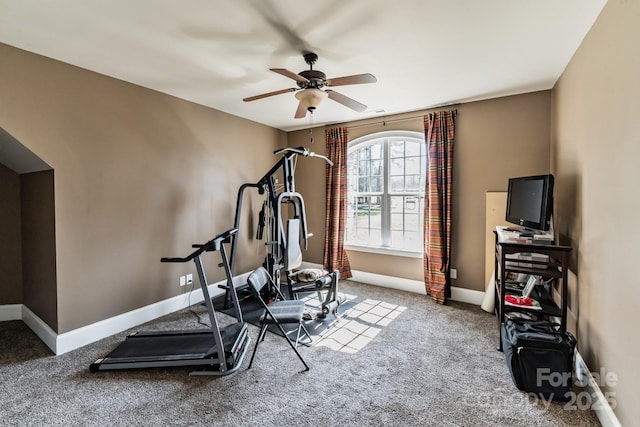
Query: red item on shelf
x=525, y=301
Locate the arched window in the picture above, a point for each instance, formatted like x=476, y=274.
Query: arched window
x=386, y=181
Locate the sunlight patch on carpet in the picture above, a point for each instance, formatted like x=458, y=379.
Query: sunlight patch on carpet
x=359, y=326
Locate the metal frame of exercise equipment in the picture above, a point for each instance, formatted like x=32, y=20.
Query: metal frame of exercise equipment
x=271, y=219
x=218, y=351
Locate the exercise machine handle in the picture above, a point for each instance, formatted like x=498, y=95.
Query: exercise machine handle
x=298, y=150
x=303, y=152
x=224, y=237
x=212, y=245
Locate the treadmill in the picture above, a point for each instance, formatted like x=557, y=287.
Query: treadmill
x=217, y=351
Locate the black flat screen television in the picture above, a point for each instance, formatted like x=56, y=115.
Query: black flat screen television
x=530, y=202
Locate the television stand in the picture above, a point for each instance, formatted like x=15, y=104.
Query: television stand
x=549, y=262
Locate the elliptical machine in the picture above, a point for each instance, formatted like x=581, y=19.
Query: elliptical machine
x=283, y=254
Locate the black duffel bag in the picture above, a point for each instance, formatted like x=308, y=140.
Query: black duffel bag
x=539, y=356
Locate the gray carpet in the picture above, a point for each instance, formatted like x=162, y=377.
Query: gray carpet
x=395, y=359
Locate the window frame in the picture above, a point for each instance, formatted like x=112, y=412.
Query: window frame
x=387, y=137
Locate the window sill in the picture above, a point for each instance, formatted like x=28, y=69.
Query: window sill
x=384, y=251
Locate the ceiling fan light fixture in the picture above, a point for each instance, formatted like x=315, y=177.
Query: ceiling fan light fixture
x=311, y=98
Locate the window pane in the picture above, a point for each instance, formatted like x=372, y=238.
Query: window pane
x=397, y=166
x=374, y=239
x=376, y=151
x=413, y=184
x=412, y=205
x=376, y=204
x=412, y=222
x=376, y=184
x=397, y=184
x=362, y=167
x=397, y=222
x=412, y=166
x=376, y=168
x=413, y=148
x=375, y=219
x=396, y=205
x=363, y=186
x=396, y=149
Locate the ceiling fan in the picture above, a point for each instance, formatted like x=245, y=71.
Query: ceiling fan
x=310, y=83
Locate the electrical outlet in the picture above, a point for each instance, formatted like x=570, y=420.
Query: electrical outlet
x=189, y=279
x=183, y=280
x=454, y=273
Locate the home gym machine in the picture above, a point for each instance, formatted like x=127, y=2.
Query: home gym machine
x=218, y=351
x=283, y=252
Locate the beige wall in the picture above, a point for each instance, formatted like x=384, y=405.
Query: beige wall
x=138, y=175
x=596, y=148
x=495, y=139
x=10, y=238
x=39, y=289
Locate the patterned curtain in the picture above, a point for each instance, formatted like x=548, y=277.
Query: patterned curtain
x=335, y=257
x=439, y=131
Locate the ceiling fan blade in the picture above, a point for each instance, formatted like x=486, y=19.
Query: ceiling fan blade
x=301, y=112
x=265, y=95
x=289, y=74
x=275, y=19
x=346, y=101
x=352, y=80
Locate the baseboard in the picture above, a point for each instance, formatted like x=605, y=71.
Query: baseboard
x=392, y=282
x=416, y=286
x=599, y=403
x=68, y=341
x=40, y=328
x=469, y=296
x=10, y=312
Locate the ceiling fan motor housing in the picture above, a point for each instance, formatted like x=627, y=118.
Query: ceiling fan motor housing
x=317, y=79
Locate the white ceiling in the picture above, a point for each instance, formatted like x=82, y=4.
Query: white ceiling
x=424, y=53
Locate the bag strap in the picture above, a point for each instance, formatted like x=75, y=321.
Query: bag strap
x=521, y=321
x=532, y=324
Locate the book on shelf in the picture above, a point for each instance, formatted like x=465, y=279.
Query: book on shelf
x=514, y=286
x=519, y=260
x=531, y=283
x=543, y=239
x=521, y=285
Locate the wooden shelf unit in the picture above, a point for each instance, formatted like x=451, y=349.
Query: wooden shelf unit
x=553, y=267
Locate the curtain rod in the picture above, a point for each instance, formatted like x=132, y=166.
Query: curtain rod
x=384, y=122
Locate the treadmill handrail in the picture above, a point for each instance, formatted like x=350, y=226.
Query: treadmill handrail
x=211, y=245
